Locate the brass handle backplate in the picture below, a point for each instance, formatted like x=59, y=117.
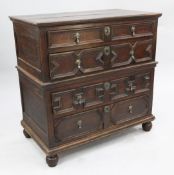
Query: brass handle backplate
x=107, y=50
x=107, y=85
x=107, y=31
x=106, y=109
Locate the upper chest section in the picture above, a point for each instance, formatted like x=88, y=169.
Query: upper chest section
x=69, y=45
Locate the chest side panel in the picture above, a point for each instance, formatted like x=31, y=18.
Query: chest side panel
x=27, y=48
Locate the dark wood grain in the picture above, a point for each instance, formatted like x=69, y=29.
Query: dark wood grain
x=84, y=75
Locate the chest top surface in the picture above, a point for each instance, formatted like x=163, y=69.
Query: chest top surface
x=81, y=17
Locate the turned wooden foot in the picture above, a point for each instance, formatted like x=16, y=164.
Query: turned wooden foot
x=147, y=126
x=26, y=134
x=52, y=160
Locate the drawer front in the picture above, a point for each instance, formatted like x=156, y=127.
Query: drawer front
x=131, y=30
x=131, y=53
x=77, y=63
x=85, y=97
x=77, y=125
x=73, y=63
x=78, y=37
x=129, y=109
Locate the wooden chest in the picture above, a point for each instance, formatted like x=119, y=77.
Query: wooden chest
x=84, y=75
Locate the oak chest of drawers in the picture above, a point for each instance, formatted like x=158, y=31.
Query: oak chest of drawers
x=84, y=75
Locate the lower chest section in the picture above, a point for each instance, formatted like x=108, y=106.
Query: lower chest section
x=83, y=109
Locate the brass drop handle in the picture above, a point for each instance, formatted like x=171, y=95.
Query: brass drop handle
x=77, y=38
x=79, y=124
x=78, y=62
x=79, y=100
x=131, y=86
x=132, y=54
x=133, y=30
x=100, y=92
x=147, y=77
x=114, y=89
x=130, y=108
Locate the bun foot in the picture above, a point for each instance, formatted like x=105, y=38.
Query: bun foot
x=147, y=126
x=52, y=160
x=26, y=134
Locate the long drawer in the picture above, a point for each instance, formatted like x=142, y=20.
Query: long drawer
x=79, y=125
x=79, y=36
x=72, y=100
x=82, y=62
